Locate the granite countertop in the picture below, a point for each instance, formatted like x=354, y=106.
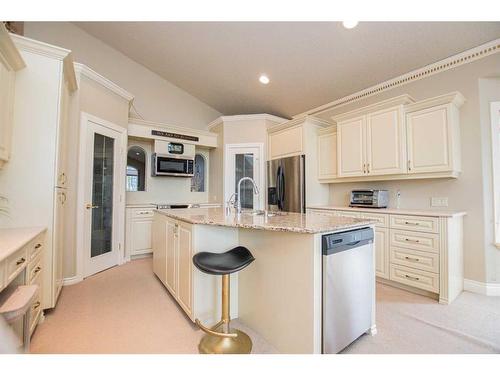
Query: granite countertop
x=398, y=211
x=12, y=239
x=284, y=222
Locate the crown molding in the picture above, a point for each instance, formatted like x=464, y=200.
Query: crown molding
x=455, y=98
x=84, y=70
x=39, y=48
x=173, y=128
x=235, y=118
x=298, y=121
x=448, y=63
x=69, y=73
x=384, y=104
x=9, y=54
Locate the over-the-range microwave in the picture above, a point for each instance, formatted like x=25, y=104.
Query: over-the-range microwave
x=176, y=159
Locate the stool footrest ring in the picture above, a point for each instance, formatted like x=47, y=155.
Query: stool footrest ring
x=214, y=333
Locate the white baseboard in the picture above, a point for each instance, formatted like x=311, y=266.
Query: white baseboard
x=71, y=280
x=487, y=289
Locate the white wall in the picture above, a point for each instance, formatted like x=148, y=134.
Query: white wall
x=167, y=189
x=155, y=98
x=472, y=190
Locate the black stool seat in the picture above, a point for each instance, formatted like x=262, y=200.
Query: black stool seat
x=231, y=261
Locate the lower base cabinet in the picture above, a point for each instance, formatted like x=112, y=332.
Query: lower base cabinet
x=172, y=254
x=420, y=252
x=138, y=235
x=174, y=244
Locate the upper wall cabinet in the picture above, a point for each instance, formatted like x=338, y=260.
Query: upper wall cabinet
x=397, y=139
x=327, y=154
x=10, y=62
x=433, y=135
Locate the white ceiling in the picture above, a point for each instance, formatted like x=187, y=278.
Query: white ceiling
x=309, y=64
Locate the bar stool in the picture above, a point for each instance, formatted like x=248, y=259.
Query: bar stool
x=221, y=338
x=17, y=305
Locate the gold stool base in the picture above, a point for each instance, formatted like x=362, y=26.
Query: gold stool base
x=242, y=344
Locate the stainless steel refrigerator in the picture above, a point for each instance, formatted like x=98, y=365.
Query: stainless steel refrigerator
x=286, y=189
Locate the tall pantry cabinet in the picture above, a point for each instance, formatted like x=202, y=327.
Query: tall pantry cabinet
x=34, y=179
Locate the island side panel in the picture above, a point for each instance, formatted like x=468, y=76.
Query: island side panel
x=280, y=293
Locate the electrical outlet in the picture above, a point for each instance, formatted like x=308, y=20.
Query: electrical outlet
x=439, y=202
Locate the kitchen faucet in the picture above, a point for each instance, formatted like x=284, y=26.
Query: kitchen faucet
x=238, y=195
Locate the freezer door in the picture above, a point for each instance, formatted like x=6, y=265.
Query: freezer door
x=273, y=167
x=290, y=184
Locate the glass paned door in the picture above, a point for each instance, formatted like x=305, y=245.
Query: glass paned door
x=244, y=167
x=244, y=160
x=104, y=187
x=102, y=196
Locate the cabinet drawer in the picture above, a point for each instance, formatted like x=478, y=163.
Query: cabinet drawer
x=35, y=247
x=15, y=264
x=34, y=268
x=416, y=278
x=142, y=212
x=416, y=223
x=381, y=219
x=415, y=240
x=349, y=214
x=415, y=259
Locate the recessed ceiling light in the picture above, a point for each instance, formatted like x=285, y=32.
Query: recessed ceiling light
x=264, y=79
x=350, y=24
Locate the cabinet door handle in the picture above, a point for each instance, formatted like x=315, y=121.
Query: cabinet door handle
x=36, y=305
x=411, y=223
x=410, y=240
x=364, y=168
x=409, y=165
x=368, y=168
x=412, y=278
x=20, y=261
x=412, y=259
x=38, y=269
x=38, y=245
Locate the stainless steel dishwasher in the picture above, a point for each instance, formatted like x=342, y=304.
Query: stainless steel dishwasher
x=348, y=287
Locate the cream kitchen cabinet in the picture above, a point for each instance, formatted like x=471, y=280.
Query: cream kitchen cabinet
x=433, y=135
x=287, y=142
x=174, y=244
x=10, y=62
x=419, y=249
x=396, y=139
x=351, y=147
x=372, y=144
x=172, y=254
x=327, y=154
x=139, y=223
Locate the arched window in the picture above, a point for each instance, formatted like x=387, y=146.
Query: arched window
x=136, y=169
x=198, y=180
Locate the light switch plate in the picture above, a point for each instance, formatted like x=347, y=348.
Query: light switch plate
x=439, y=201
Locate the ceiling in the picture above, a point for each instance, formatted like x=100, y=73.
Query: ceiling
x=309, y=64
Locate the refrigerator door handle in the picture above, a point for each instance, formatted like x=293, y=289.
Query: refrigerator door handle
x=282, y=188
x=278, y=187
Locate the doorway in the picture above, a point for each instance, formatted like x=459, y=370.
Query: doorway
x=101, y=195
x=245, y=160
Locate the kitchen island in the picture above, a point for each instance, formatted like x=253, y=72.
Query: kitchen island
x=279, y=295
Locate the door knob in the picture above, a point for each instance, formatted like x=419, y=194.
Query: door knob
x=89, y=206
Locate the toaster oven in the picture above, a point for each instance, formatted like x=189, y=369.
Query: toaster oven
x=369, y=198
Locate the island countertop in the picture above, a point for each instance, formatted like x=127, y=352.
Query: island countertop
x=309, y=223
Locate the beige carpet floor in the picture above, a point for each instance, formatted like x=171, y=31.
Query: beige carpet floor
x=127, y=310
x=413, y=324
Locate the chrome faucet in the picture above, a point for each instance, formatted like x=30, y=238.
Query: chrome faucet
x=238, y=195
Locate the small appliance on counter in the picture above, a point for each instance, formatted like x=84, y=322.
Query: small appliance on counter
x=369, y=198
